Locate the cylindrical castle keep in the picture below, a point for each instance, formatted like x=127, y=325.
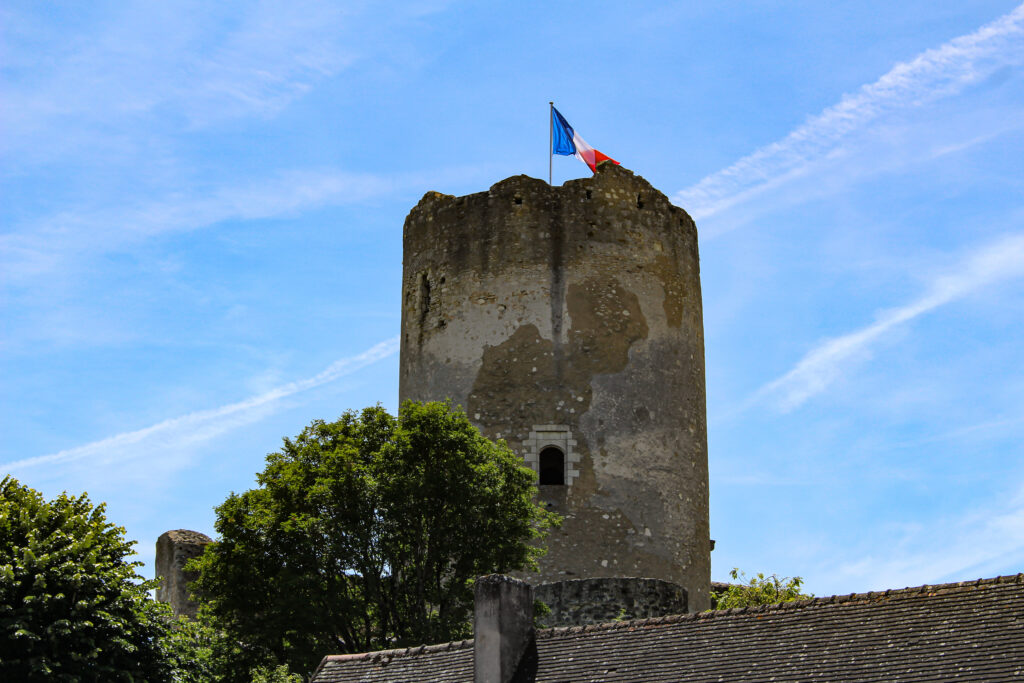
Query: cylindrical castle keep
x=567, y=321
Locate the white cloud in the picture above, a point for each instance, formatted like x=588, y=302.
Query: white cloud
x=971, y=434
x=203, y=61
x=276, y=55
x=999, y=260
x=935, y=73
x=48, y=246
x=203, y=425
x=44, y=247
x=124, y=79
x=980, y=543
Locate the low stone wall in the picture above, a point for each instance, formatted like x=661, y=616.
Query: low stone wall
x=578, y=602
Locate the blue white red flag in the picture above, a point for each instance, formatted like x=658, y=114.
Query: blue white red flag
x=566, y=141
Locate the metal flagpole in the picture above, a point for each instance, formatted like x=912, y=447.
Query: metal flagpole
x=551, y=135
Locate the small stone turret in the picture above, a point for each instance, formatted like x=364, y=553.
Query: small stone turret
x=567, y=321
x=173, y=550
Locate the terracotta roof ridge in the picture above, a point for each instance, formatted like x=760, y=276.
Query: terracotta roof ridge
x=784, y=606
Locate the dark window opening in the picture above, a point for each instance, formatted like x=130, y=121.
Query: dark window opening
x=518, y=200
x=552, y=467
x=639, y=202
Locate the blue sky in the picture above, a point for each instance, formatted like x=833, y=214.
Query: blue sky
x=202, y=207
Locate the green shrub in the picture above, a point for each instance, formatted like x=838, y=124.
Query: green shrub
x=758, y=590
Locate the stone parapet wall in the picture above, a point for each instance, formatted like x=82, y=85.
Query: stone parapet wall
x=579, y=602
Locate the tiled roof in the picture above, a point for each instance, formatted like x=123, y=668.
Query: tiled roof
x=446, y=662
x=968, y=631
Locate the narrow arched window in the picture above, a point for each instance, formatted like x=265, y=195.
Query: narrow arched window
x=552, y=467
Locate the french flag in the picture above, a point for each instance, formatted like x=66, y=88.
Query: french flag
x=566, y=141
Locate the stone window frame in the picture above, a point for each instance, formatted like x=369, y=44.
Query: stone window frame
x=557, y=436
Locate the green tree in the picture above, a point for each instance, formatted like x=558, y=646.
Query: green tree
x=758, y=590
x=198, y=651
x=201, y=652
x=72, y=607
x=367, y=533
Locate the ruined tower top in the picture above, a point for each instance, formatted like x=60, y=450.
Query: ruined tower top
x=567, y=321
x=173, y=550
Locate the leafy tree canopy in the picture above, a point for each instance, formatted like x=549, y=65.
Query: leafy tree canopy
x=72, y=607
x=366, y=533
x=199, y=651
x=758, y=590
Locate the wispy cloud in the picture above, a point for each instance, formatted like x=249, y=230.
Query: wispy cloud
x=205, y=424
x=128, y=78
x=204, y=62
x=39, y=248
x=980, y=543
x=276, y=55
x=999, y=427
x=933, y=74
x=999, y=260
x=44, y=246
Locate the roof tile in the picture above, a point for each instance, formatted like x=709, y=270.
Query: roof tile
x=970, y=630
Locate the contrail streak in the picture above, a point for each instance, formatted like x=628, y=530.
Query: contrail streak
x=184, y=428
x=999, y=260
x=933, y=74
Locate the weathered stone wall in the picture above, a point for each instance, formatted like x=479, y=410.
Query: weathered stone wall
x=575, y=308
x=579, y=602
x=173, y=550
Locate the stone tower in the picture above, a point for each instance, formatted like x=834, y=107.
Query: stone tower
x=173, y=550
x=567, y=321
